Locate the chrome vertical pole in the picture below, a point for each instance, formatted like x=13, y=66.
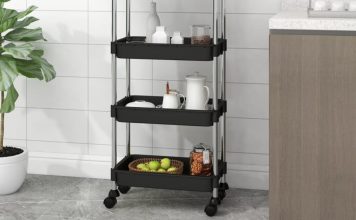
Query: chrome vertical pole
x=114, y=87
x=215, y=96
x=128, y=76
x=223, y=87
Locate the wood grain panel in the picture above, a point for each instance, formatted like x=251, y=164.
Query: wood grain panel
x=312, y=127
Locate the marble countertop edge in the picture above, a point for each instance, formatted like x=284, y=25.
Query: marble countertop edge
x=299, y=20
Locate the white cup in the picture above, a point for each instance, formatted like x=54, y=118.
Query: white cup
x=320, y=5
x=352, y=6
x=338, y=6
x=173, y=101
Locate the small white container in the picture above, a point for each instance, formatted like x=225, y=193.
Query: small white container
x=320, y=5
x=352, y=6
x=338, y=6
x=160, y=36
x=177, y=38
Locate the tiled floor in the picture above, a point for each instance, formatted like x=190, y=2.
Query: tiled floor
x=54, y=198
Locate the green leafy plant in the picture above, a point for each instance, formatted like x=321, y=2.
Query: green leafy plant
x=18, y=57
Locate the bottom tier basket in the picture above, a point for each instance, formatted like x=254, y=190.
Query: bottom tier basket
x=124, y=177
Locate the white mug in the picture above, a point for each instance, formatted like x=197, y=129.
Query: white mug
x=173, y=101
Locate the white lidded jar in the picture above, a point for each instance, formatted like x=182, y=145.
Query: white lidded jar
x=152, y=22
x=160, y=36
x=177, y=38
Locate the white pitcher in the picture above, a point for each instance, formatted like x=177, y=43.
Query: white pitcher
x=197, y=92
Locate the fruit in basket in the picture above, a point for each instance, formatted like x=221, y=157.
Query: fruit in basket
x=145, y=169
x=161, y=170
x=165, y=163
x=141, y=166
x=154, y=165
x=172, y=169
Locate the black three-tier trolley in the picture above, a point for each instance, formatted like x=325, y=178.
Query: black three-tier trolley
x=133, y=47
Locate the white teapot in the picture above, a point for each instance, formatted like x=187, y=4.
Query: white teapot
x=197, y=92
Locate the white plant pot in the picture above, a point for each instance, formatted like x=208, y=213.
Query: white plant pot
x=13, y=172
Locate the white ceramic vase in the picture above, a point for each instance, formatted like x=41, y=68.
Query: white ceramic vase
x=152, y=22
x=13, y=172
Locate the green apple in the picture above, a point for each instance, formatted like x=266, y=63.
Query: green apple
x=161, y=170
x=165, y=163
x=154, y=165
x=145, y=169
x=141, y=166
x=172, y=169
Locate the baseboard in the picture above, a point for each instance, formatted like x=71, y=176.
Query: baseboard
x=88, y=166
x=69, y=165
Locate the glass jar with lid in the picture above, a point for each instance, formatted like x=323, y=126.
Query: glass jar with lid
x=201, y=34
x=201, y=161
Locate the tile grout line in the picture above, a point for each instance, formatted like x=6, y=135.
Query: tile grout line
x=119, y=145
x=26, y=85
x=88, y=80
x=160, y=12
x=152, y=82
x=158, y=80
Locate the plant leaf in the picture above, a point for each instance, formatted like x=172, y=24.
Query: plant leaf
x=38, y=67
x=47, y=69
x=8, y=18
x=24, y=34
x=29, y=69
x=25, y=22
x=8, y=72
x=2, y=2
x=19, y=51
x=28, y=11
x=9, y=102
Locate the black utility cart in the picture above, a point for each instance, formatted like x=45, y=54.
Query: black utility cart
x=133, y=47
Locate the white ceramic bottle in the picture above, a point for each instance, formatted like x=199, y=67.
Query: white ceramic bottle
x=152, y=22
x=177, y=38
x=160, y=36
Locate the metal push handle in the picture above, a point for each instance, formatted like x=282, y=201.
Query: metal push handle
x=215, y=97
x=114, y=83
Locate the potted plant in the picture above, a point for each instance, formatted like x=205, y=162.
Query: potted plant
x=18, y=58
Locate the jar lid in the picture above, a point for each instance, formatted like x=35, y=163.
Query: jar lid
x=201, y=147
x=195, y=76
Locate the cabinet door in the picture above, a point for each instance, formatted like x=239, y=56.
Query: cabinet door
x=312, y=127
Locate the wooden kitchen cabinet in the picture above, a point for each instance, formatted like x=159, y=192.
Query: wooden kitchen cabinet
x=312, y=126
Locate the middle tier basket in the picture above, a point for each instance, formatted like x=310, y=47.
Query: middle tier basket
x=165, y=116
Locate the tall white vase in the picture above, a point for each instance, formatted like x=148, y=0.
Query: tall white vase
x=152, y=22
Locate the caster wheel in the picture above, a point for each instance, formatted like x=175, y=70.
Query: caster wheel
x=222, y=194
x=224, y=186
x=211, y=209
x=124, y=189
x=110, y=202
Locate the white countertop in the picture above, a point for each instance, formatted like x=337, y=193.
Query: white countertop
x=299, y=20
